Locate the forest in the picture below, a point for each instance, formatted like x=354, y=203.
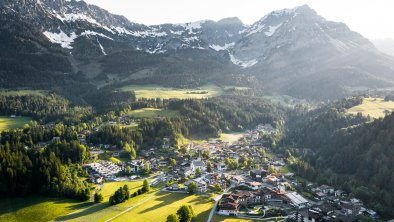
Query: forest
x=348, y=151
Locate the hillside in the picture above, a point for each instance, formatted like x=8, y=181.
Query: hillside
x=292, y=51
x=346, y=151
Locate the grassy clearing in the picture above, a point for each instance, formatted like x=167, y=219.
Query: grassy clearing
x=374, y=107
x=110, y=188
x=103, y=211
x=163, y=204
x=12, y=123
x=152, y=112
x=107, y=156
x=156, y=91
x=37, y=208
x=24, y=92
x=231, y=137
x=217, y=218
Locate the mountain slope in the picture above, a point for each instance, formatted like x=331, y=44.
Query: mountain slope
x=292, y=51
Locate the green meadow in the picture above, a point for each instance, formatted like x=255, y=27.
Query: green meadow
x=7, y=122
x=374, y=107
x=156, y=91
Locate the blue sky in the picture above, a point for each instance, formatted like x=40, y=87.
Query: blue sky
x=372, y=18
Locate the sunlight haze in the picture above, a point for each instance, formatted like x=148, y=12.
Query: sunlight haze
x=373, y=19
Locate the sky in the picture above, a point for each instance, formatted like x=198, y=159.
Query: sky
x=372, y=18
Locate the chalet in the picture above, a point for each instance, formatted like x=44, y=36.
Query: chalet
x=174, y=187
x=253, y=185
x=258, y=175
x=340, y=193
x=230, y=203
x=308, y=215
x=198, y=164
x=324, y=209
x=237, y=179
x=201, y=185
x=326, y=189
x=271, y=179
x=229, y=209
x=220, y=166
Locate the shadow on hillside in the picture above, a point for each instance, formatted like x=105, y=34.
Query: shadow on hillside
x=199, y=200
x=92, y=209
x=203, y=216
x=165, y=198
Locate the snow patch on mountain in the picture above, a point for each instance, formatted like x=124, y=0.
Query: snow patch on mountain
x=190, y=27
x=244, y=64
x=272, y=30
x=61, y=38
x=101, y=47
x=221, y=48
x=256, y=29
x=72, y=17
x=88, y=33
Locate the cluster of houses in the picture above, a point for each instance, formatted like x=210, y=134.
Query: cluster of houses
x=103, y=170
x=256, y=187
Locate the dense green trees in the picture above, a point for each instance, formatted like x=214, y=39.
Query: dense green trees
x=120, y=196
x=46, y=108
x=172, y=218
x=346, y=151
x=98, y=198
x=228, y=113
x=192, y=188
x=185, y=213
x=36, y=171
x=145, y=186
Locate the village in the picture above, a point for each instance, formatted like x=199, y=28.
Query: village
x=244, y=178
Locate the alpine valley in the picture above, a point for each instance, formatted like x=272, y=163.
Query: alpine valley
x=103, y=119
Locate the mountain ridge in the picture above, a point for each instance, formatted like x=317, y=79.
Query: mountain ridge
x=291, y=51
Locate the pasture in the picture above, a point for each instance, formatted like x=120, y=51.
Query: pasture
x=23, y=92
x=109, y=189
x=374, y=107
x=231, y=137
x=156, y=91
x=152, y=112
x=37, y=208
x=163, y=204
x=7, y=122
x=217, y=218
x=103, y=211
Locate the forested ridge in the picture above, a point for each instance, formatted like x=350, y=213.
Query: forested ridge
x=348, y=151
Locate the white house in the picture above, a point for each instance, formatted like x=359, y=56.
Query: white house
x=198, y=164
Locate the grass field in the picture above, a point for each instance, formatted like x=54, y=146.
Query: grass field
x=107, y=156
x=24, y=92
x=12, y=123
x=152, y=112
x=110, y=188
x=217, y=218
x=163, y=204
x=103, y=212
x=231, y=137
x=375, y=107
x=156, y=91
x=37, y=208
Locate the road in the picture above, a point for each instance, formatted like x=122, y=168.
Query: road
x=217, y=199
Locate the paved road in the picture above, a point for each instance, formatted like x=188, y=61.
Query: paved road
x=217, y=199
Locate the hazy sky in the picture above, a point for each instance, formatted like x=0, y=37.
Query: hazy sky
x=372, y=18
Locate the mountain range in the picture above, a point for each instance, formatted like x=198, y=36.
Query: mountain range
x=49, y=44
